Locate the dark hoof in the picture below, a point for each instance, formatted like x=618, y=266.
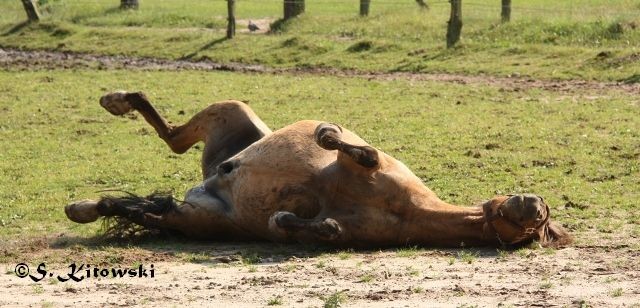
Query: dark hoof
x=83, y=212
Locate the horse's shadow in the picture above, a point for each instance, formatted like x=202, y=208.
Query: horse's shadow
x=175, y=248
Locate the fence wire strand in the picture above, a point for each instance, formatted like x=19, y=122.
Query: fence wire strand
x=63, y=9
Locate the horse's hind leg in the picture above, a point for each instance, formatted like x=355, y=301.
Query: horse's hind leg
x=134, y=208
x=160, y=212
x=226, y=127
x=329, y=137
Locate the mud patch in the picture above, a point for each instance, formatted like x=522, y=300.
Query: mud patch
x=13, y=59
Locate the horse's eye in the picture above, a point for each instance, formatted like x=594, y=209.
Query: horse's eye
x=225, y=168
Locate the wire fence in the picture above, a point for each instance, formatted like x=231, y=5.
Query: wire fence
x=68, y=9
x=213, y=13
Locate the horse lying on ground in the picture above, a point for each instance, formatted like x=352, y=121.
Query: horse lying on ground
x=309, y=182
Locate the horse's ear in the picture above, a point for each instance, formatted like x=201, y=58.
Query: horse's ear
x=557, y=236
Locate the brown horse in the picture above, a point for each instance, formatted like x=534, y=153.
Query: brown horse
x=311, y=182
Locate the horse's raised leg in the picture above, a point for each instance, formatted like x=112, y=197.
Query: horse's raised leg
x=226, y=127
x=329, y=137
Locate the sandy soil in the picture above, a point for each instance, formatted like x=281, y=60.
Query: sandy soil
x=214, y=274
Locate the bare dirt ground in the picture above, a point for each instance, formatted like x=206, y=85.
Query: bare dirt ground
x=599, y=271
x=264, y=274
x=25, y=60
x=242, y=25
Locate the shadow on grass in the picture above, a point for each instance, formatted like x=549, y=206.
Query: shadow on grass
x=279, y=26
x=17, y=28
x=419, y=60
x=203, y=48
x=172, y=248
x=65, y=249
x=635, y=78
x=110, y=11
x=175, y=248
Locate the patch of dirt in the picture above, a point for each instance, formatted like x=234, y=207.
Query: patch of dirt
x=242, y=25
x=28, y=60
x=25, y=60
x=259, y=274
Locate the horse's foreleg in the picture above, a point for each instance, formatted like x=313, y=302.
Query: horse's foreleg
x=287, y=226
x=329, y=137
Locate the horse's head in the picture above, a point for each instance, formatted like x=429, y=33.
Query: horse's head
x=516, y=219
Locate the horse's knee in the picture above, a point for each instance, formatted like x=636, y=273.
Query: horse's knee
x=278, y=233
x=328, y=136
x=84, y=211
x=285, y=225
x=364, y=156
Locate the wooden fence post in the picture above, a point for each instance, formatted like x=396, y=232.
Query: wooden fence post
x=231, y=18
x=454, y=27
x=293, y=8
x=364, y=7
x=32, y=10
x=129, y=4
x=506, y=10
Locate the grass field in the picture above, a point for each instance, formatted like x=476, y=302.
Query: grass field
x=576, y=143
x=578, y=149
x=467, y=143
x=588, y=39
x=468, y=138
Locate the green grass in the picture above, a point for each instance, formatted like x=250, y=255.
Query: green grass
x=289, y=268
x=451, y=260
x=586, y=39
x=345, y=254
x=412, y=271
x=617, y=292
x=275, y=301
x=335, y=300
x=250, y=258
x=58, y=145
x=191, y=257
x=467, y=256
x=38, y=289
x=367, y=278
x=408, y=252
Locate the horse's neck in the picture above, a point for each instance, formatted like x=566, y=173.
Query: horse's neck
x=437, y=222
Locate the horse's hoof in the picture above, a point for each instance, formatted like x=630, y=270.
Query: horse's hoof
x=115, y=102
x=277, y=233
x=84, y=211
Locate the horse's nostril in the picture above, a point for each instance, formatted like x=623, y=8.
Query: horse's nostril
x=539, y=214
x=225, y=168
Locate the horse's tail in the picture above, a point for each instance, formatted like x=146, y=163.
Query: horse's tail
x=133, y=215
